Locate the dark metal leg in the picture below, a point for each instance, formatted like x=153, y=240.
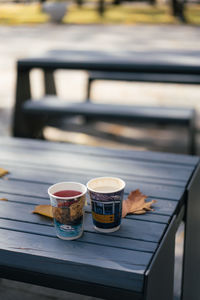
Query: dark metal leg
x=191, y=262
x=49, y=83
x=159, y=280
x=89, y=89
x=23, y=93
x=90, y=80
x=23, y=125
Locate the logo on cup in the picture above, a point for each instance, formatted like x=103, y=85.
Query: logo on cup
x=66, y=227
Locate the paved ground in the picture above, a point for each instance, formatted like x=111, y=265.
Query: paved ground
x=179, y=42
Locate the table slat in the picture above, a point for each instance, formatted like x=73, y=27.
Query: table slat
x=55, y=173
x=88, y=237
x=40, y=190
x=91, y=163
x=149, y=156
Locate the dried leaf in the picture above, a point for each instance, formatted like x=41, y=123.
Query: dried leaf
x=45, y=210
x=3, y=199
x=136, y=204
x=3, y=172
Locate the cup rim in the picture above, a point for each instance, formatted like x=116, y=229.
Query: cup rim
x=67, y=198
x=106, y=177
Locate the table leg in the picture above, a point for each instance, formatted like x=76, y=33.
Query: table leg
x=159, y=278
x=23, y=93
x=191, y=259
x=25, y=125
x=49, y=83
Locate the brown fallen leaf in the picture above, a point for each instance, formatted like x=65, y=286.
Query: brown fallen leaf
x=136, y=204
x=3, y=199
x=3, y=172
x=45, y=210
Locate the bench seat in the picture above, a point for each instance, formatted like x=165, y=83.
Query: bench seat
x=52, y=106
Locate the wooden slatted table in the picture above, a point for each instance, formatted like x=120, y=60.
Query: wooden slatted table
x=136, y=262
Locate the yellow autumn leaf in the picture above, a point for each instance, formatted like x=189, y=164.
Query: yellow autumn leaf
x=45, y=210
x=3, y=172
x=3, y=199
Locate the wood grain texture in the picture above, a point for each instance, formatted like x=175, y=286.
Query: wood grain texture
x=84, y=262
x=23, y=171
x=95, y=163
x=92, y=237
x=149, y=156
x=81, y=252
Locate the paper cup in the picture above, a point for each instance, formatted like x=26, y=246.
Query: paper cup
x=67, y=201
x=106, y=195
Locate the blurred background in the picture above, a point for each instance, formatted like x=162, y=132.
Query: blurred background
x=166, y=28
x=163, y=27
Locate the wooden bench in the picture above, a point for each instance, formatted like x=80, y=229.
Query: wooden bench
x=41, y=112
x=30, y=116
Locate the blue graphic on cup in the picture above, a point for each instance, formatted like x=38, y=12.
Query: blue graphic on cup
x=106, y=195
x=68, y=231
